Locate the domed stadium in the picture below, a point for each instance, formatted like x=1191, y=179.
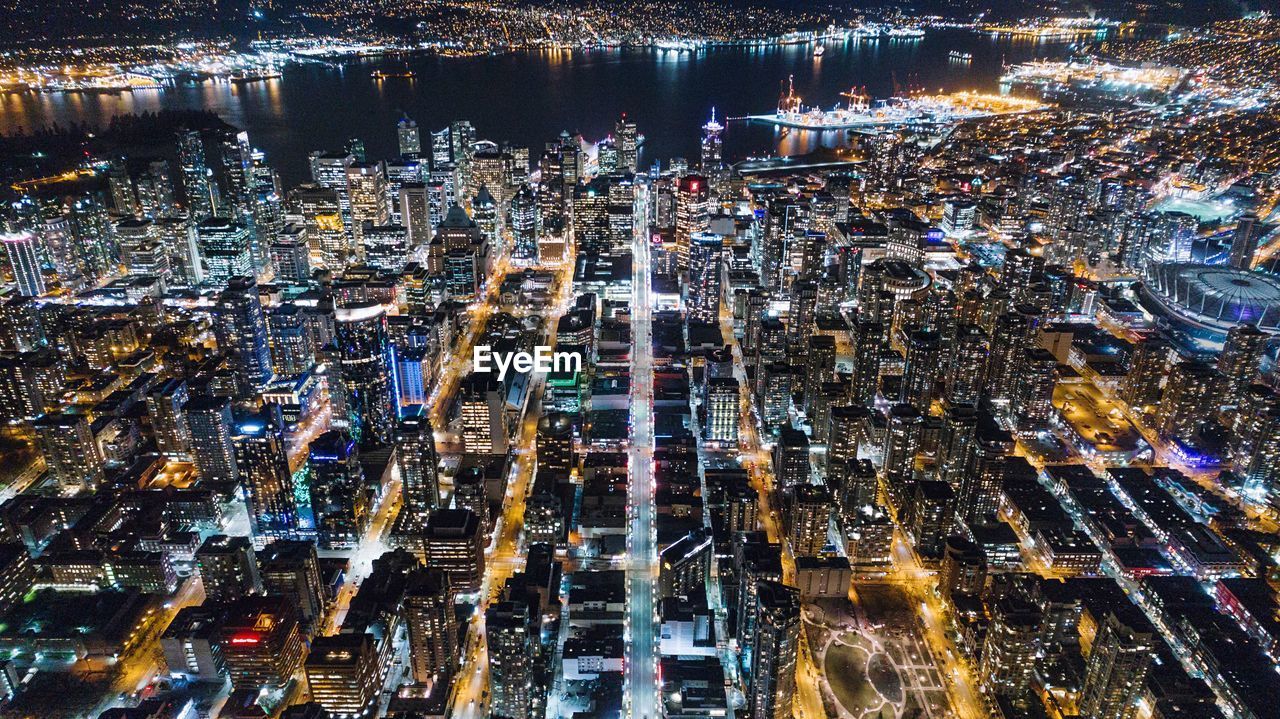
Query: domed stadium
x=1202, y=302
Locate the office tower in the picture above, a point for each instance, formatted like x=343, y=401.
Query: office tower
x=932, y=512
x=791, y=458
x=922, y=367
x=263, y=467
x=712, y=143
x=166, y=408
x=1240, y=361
x=291, y=254
x=901, y=445
x=1189, y=398
x=431, y=625
x=1148, y=366
x=386, y=247
x=70, y=452
x=482, y=401
x=722, y=411
x=524, y=224
x=1008, y=654
x=1115, y=673
x=1033, y=397
x=262, y=643
x=1244, y=242
x=454, y=543
x=958, y=217
x=200, y=194
x=591, y=216
x=685, y=565
x=810, y=519
x=408, y=137
x=693, y=214
x=868, y=342
x=555, y=444
x=363, y=348
x=292, y=348
x=964, y=376
x=511, y=657
x=419, y=466
x=24, y=261
x=241, y=328
x=705, y=251
x=367, y=194
x=211, y=426
x=776, y=383
x=774, y=646
x=322, y=218
x=343, y=674
x=416, y=213
x=291, y=569
x=226, y=250
x=228, y=568
x=628, y=138
x=339, y=499
x=190, y=645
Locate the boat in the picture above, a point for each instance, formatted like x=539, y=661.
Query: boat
x=393, y=74
x=241, y=77
x=961, y=56
x=906, y=32
x=819, y=50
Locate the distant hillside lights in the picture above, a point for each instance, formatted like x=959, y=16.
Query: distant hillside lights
x=542, y=360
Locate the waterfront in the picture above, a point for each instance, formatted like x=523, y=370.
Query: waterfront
x=526, y=97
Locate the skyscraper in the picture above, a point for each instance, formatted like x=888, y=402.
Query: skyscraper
x=901, y=445
x=1116, y=670
x=24, y=259
x=166, y=407
x=1244, y=242
x=511, y=656
x=453, y=542
x=774, y=646
x=363, y=352
x=263, y=467
x=367, y=193
x=922, y=367
x=524, y=224
x=1241, y=361
x=705, y=251
x=70, y=452
x=791, y=458
x=722, y=411
x=693, y=214
x=340, y=501
x=241, y=328
x=811, y=506
x=408, y=137
x=1189, y=398
x=712, y=143
x=431, y=625
x=211, y=426
x=419, y=471
x=482, y=400
x=225, y=249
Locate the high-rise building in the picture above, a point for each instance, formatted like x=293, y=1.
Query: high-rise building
x=966, y=373
x=291, y=254
x=1244, y=242
x=409, y=138
x=363, y=352
x=1033, y=396
x=370, y=202
x=228, y=568
x=70, y=452
x=511, y=660
x=262, y=643
x=723, y=413
x=932, y=513
x=705, y=251
x=291, y=569
x=693, y=214
x=416, y=213
x=524, y=224
x=263, y=467
x=322, y=218
x=454, y=543
x=1241, y=361
x=241, y=328
x=555, y=444
x=24, y=260
x=923, y=367
x=868, y=344
x=212, y=427
x=1190, y=397
x=712, y=143
x=810, y=520
x=791, y=458
x=343, y=674
x=1008, y=654
x=225, y=249
x=774, y=646
x=482, y=401
x=901, y=445
x=1148, y=366
x=340, y=501
x=419, y=466
x=166, y=408
x=1115, y=673
x=432, y=626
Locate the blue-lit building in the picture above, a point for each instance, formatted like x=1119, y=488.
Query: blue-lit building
x=263, y=465
x=241, y=329
x=364, y=355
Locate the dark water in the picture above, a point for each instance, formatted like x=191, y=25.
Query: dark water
x=529, y=97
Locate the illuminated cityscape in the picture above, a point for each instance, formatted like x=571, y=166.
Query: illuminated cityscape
x=822, y=362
